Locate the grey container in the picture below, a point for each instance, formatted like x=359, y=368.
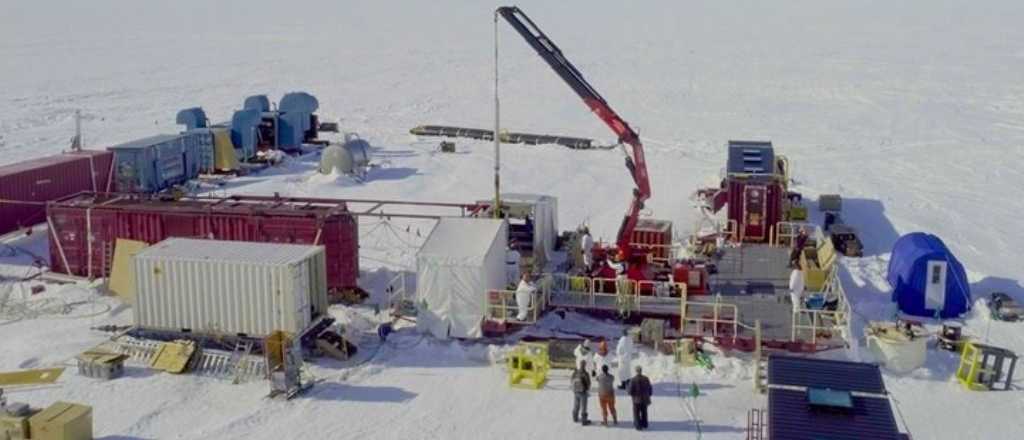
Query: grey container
x=155, y=163
x=215, y=287
x=830, y=203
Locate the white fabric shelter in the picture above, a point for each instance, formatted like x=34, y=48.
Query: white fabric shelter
x=460, y=261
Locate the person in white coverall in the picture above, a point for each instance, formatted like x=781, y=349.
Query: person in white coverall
x=587, y=249
x=796, y=289
x=624, y=351
x=512, y=264
x=584, y=353
x=524, y=293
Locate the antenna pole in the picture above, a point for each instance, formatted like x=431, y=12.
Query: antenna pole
x=497, y=128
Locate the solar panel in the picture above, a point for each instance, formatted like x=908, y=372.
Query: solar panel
x=828, y=398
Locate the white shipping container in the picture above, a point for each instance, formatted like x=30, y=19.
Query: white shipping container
x=229, y=287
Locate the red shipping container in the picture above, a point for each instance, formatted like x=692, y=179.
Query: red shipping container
x=755, y=204
x=653, y=236
x=108, y=217
x=25, y=187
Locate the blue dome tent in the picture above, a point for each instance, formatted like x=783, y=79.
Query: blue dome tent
x=926, y=279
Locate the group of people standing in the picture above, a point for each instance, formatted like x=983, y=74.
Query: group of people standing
x=636, y=384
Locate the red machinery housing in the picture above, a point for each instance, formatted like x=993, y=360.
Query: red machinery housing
x=26, y=187
x=85, y=228
x=753, y=189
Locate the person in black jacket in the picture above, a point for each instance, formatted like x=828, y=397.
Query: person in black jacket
x=640, y=390
x=580, y=389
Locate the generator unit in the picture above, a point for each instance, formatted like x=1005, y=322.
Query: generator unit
x=753, y=190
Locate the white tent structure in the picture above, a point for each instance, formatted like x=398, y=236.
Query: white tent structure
x=460, y=261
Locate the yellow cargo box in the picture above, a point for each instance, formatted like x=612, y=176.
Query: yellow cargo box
x=62, y=421
x=13, y=428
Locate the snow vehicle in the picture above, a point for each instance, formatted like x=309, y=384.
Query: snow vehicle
x=1004, y=308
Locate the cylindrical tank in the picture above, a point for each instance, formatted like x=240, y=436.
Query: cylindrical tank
x=334, y=157
x=352, y=157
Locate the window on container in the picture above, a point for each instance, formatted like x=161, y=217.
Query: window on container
x=936, y=274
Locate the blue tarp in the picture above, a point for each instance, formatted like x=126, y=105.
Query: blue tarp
x=908, y=276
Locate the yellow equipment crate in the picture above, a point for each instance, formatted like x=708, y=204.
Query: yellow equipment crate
x=984, y=367
x=14, y=427
x=816, y=265
x=528, y=365
x=62, y=421
x=796, y=213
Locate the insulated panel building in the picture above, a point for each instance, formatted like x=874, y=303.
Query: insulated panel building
x=229, y=287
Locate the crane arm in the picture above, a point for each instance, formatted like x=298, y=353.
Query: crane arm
x=636, y=164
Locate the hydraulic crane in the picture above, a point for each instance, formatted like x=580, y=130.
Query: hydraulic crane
x=636, y=164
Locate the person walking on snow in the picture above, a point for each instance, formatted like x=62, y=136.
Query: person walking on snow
x=524, y=293
x=580, y=390
x=606, y=396
x=640, y=390
x=587, y=249
x=584, y=354
x=624, y=351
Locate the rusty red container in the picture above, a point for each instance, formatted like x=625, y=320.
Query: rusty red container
x=755, y=204
x=25, y=187
x=653, y=236
x=108, y=217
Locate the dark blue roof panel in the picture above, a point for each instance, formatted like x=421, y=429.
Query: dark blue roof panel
x=791, y=418
x=751, y=157
x=822, y=373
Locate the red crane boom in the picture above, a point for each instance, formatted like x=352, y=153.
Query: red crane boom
x=636, y=164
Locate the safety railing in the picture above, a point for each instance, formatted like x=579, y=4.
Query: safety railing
x=818, y=320
x=659, y=253
x=626, y=294
x=501, y=305
x=719, y=315
x=783, y=233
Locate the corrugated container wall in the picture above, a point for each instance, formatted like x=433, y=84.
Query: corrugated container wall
x=108, y=217
x=202, y=140
x=653, y=235
x=155, y=163
x=229, y=287
x=26, y=187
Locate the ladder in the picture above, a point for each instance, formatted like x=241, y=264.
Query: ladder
x=240, y=365
x=242, y=349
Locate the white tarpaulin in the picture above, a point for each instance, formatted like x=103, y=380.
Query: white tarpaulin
x=545, y=222
x=460, y=261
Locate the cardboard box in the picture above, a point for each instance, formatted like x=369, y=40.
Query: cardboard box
x=62, y=421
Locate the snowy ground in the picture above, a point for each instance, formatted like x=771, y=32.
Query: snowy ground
x=913, y=111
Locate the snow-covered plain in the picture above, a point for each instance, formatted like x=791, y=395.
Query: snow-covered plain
x=912, y=110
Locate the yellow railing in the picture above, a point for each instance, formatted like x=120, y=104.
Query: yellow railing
x=720, y=314
x=833, y=321
x=501, y=305
x=783, y=233
x=627, y=293
x=669, y=251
